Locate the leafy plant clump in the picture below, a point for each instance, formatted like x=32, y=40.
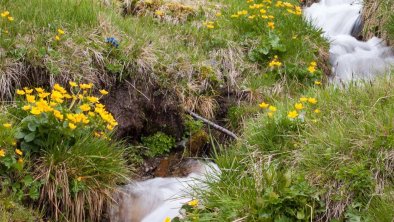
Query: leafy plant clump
x=57, y=152
x=158, y=144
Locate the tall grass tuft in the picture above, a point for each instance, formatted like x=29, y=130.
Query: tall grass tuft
x=78, y=181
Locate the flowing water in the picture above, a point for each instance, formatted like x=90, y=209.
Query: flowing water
x=350, y=58
x=156, y=199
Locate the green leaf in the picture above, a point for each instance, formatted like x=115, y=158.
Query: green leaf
x=28, y=180
x=300, y=215
x=20, y=135
x=30, y=137
x=32, y=126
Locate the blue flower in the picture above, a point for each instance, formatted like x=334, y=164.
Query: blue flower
x=112, y=41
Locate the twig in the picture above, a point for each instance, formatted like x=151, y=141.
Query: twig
x=214, y=125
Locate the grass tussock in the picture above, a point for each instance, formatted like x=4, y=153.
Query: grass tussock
x=378, y=20
x=337, y=158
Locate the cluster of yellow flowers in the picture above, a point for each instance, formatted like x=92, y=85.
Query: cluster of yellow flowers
x=209, y=25
x=78, y=107
x=18, y=152
x=301, y=105
x=261, y=10
x=60, y=32
x=275, y=62
x=7, y=15
x=298, y=107
x=290, y=8
x=271, y=109
x=312, y=67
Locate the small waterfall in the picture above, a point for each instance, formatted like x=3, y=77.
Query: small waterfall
x=156, y=199
x=350, y=58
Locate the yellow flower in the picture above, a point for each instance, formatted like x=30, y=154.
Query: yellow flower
x=234, y=16
x=317, y=111
x=312, y=100
x=57, y=96
x=5, y=14
x=167, y=219
x=20, y=92
x=313, y=64
x=58, y=115
x=292, y=114
x=270, y=114
x=20, y=160
x=84, y=86
x=7, y=125
x=298, y=106
x=317, y=83
x=91, y=114
x=13, y=143
x=39, y=90
x=193, y=203
x=2, y=153
x=103, y=92
x=28, y=91
x=311, y=69
x=30, y=99
x=92, y=99
x=159, y=13
x=59, y=88
x=57, y=38
x=210, y=26
x=10, y=18
x=264, y=105
x=272, y=108
x=271, y=25
x=303, y=99
x=35, y=111
x=19, y=152
x=79, y=178
x=218, y=14
x=84, y=107
x=72, y=126
x=110, y=127
x=43, y=95
x=73, y=84
x=60, y=31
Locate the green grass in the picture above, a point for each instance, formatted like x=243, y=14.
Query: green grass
x=11, y=210
x=339, y=158
x=147, y=49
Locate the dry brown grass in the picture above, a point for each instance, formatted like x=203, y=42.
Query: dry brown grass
x=376, y=15
x=57, y=199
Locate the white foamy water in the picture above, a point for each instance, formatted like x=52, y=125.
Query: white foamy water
x=350, y=59
x=156, y=199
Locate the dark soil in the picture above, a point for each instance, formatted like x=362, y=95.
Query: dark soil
x=143, y=108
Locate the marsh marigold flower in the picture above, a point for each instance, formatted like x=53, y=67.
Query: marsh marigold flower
x=193, y=203
x=20, y=92
x=264, y=105
x=299, y=106
x=2, y=153
x=292, y=114
x=72, y=126
x=7, y=125
x=19, y=152
x=312, y=100
x=272, y=108
x=103, y=92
